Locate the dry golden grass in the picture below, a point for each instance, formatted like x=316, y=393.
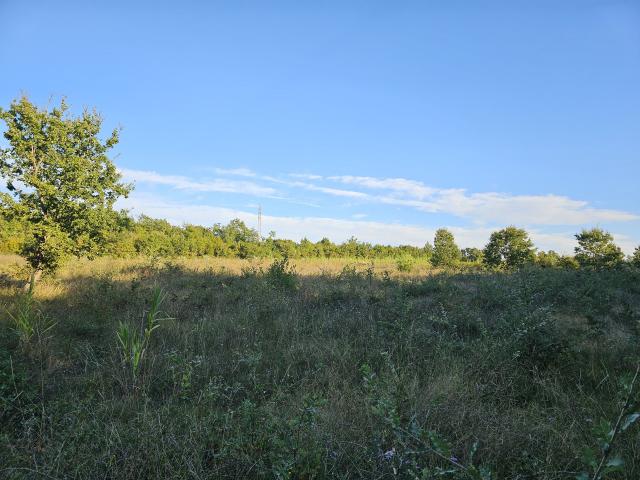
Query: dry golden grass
x=125, y=269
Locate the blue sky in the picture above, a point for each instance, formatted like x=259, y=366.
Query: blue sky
x=383, y=120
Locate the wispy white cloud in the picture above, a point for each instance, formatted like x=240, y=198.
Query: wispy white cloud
x=411, y=188
x=241, y=172
x=523, y=209
x=305, y=176
x=339, y=192
x=488, y=207
x=184, y=183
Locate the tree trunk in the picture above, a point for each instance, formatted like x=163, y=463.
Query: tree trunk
x=35, y=277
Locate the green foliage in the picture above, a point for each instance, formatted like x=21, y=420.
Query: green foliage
x=16, y=392
x=405, y=447
x=472, y=255
x=29, y=322
x=445, y=251
x=635, y=258
x=596, y=249
x=509, y=248
x=281, y=274
x=59, y=181
x=254, y=436
x=405, y=263
x=606, y=433
x=548, y=259
x=158, y=238
x=552, y=259
x=236, y=232
x=568, y=262
x=13, y=234
x=134, y=342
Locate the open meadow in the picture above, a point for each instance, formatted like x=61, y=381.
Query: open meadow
x=225, y=368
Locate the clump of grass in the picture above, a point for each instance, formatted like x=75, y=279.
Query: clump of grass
x=29, y=322
x=134, y=342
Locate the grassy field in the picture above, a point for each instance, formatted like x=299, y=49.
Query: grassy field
x=339, y=370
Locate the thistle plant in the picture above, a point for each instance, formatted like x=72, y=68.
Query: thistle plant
x=134, y=342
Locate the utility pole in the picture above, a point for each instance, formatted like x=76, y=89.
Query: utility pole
x=260, y=222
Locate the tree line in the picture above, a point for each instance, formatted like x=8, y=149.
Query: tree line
x=508, y=248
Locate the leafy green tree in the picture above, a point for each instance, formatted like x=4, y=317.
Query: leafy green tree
x=285, y=248
x=509, y=248
x=236, y=231
x=471, y=255
x=568, y=262
x=308, y=249
x=596, y=249
x=353, y=248
x=445, y=251
x=12, y=235
x=548, y=259
x=635, y=258
x=59, y=181
x=327, y=248
x=427, y=251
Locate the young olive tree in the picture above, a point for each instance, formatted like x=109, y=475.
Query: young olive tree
x=59, y=182
x=510, y=248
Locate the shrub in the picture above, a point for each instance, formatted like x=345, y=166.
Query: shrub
x=405, y=263
x=281, y=274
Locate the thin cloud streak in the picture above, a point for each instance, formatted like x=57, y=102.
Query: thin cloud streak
x=485, y=208
x=241, y=172
x=184, y=183
x=488, y=207
x=405, y=186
